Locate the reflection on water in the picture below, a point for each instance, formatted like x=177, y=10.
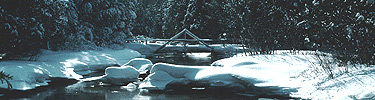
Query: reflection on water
x=100, y=91
x=201, y=59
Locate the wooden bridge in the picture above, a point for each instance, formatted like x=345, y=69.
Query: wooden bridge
x=185, y=33
x=184, y=38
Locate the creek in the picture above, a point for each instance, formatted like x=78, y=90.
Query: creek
x=65, y=89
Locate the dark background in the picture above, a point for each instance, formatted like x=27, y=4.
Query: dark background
x=342, y=27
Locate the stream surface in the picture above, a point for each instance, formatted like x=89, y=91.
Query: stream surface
x=64, y=89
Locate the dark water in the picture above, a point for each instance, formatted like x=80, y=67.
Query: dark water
x=199, y=59
x=93, y=91
x=63, y=89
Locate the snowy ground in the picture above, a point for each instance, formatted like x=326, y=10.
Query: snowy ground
x=31, y=74
x=311, y=82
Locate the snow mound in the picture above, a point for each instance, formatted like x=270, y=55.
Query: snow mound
x=141, y=64
x=285, y=67
x=165, y=75
x=85, y=62
x=157, y=81
x=31, y=74
x=177, y=71
x=234, y=62
x=120, y=75
x=28, y=74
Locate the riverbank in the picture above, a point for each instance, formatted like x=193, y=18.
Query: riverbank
x=306, y=73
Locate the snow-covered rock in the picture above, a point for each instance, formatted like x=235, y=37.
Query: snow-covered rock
x=128, y=72
x=164, y=75
x=177, y=71
x=157, y=81
x=120, y=75
x=141, y=64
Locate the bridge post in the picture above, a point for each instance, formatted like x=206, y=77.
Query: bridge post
x=185, y=47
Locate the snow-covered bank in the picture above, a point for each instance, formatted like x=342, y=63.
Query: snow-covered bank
x=31, y=74
x=285, y=66
x=357, y=84
x=296, y=71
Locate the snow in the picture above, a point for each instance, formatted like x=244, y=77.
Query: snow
x=285, y=67
x=141, y=64
x=163, y=74
x=157, y=81
x=120, y=75
x=132, y=14
x=358, y=84
x=91, y=57
x=295, y=71
x=141, y=48
x=28, y=75
x=233, y=72
x=122, y=72
x=285, y=71
x=31, y=74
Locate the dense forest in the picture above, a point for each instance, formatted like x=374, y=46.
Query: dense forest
x=342, y=27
